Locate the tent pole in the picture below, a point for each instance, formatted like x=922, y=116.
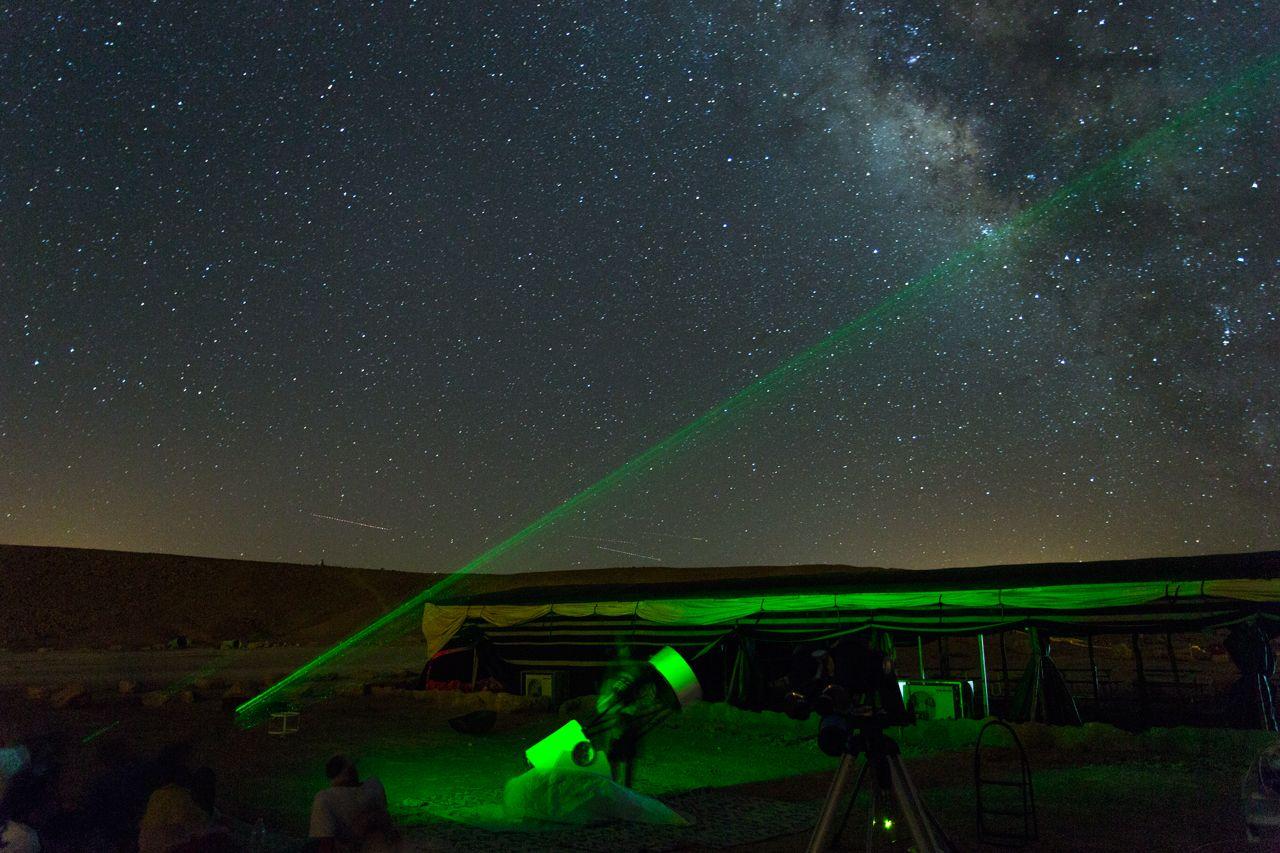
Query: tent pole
x=982, y=668
x=920, y=655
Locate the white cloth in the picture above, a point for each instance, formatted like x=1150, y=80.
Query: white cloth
x=561, y=795
x=344, y=812
x=18, y=838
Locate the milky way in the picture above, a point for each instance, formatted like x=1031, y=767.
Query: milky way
x=434, y=269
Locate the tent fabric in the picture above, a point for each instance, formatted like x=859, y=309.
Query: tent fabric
x=1098, y=606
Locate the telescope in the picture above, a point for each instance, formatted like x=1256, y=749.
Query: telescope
x=631, y=704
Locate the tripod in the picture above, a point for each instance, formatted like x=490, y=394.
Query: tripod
x=887, y=777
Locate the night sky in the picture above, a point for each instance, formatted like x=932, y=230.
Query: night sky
x=266, y=271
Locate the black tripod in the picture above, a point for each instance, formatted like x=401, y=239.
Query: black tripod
x=887, y=778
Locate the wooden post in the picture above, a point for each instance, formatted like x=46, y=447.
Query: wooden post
x=1173, y=665
x=1093, y=669
x=1004, y=672
x=1143, y=700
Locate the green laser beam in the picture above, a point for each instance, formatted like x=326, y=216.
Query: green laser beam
x=97, y=733
x=1098, y=176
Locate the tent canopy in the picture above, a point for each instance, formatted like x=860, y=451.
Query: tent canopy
x=690, y=606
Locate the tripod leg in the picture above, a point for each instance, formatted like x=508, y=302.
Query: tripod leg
x=873, y=808
x=926, y=833
x=853, y=801
x=823, y=829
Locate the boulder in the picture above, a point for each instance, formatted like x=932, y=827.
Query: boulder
x=70, y=696
x=155, y=698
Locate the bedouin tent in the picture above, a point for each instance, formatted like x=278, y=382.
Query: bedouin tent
x=580, y=619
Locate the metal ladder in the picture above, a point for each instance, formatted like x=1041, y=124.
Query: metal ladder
x=1013, y=826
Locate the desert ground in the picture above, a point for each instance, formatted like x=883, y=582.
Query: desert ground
x=748, y=781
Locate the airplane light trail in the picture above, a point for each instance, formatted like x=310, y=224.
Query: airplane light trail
x=349, y=521
x=629, y=554
x=672, y=536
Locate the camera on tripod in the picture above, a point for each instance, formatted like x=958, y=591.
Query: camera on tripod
x=853, y=689
x=851, y=686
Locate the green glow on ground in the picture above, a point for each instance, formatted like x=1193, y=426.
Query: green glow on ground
x=1115, y=173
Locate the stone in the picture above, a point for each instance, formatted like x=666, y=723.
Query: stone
x=155, y=698
x=70, y=696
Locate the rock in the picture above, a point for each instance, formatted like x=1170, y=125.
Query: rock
x=37, y=694
x=237, y=690
x=125, y=687
x=71, y=696
x=155, y=698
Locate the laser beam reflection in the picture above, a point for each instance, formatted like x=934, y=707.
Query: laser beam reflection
x=630, y=554
x=1112, y=173
x=349, y=521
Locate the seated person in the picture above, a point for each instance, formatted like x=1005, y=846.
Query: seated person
x=173, y=817
x=15, y=837
x=351, y=815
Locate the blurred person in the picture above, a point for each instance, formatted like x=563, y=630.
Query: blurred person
x=174, y=820
x=351, y=816
x=15, y=836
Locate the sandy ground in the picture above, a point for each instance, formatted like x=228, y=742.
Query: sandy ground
x=1099, y=789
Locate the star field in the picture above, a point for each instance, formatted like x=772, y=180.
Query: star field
x=266, y=271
